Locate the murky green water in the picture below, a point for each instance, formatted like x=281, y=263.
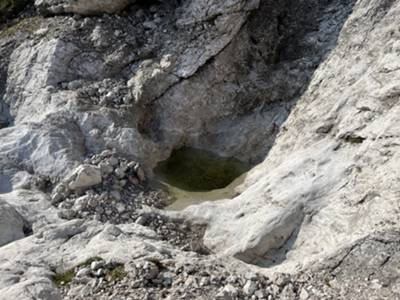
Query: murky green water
x=192, y=176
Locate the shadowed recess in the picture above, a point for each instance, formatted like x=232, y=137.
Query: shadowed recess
x=198, y=170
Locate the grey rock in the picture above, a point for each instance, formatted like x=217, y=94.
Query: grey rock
x=250, y=287
x=304, y=295
x=141, y=220
x=12, y=224
x=288, y=293
x=307, y=89
x=85, y=7
x=84, y=272
x=230, y=291
x=84, y=176
x=95, y=265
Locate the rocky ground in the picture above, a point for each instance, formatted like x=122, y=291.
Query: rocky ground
x=93, y=94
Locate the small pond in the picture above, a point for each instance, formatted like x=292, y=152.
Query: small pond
x=192, y=176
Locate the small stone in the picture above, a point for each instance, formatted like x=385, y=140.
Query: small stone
x=133, y=180
x=288, y=292
x=232, y=279
x=251, y=276
x=120, y=173
x=106, y=169
x=83, y=272
x=93, y=202
x=95, y=265
x=85, y=176
x=250, y=287
x=304, y=294
x=67, y=214
x=140, y=173
x=167, y=278
x=106, y=153
x=204, y=281
x=149, y=25
x=280, y=279
x=273, y=289
x=141, y=220
x=231, y=290
x=85, y=291
x=123, y=166
x=113, y=161
x=100, y=272
x=151, y=270
x=116, y=195
x=121, y=207
x=132, y=164
x=81, y=203
x=260, y=294
x=56, y=197
x=223, y=295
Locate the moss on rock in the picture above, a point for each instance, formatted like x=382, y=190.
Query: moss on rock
x=63, y=278
x=117, y=274
x=28, y=25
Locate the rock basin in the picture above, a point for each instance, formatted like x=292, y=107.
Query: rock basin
x=191, y=176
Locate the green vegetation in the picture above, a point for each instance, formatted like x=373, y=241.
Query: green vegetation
x=9, y=8
x=198, y=170
x=67, y=276
x=29, y=25
x=117, y=274
x=64, y=278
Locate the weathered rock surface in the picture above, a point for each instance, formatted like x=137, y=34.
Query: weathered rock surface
x=307, y=89
x=83, y=177
x=84, y=7
x=330, y=177
x=12, y=225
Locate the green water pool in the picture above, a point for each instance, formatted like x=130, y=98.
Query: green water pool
x=191, y=176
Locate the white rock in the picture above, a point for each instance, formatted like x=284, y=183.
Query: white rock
x=95, y=265
x=304, y=294
x=83, y=272
x=250, y=287
x=85, y=176
x=231, y=291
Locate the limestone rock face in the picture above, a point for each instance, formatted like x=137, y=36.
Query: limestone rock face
x=306, y=91
x=84, y=7
x=330, y=177
x=12, y=224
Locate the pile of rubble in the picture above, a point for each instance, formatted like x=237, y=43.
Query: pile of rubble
x=106, y=188
x=183, y=234
x=168, y=279
x=112, y=189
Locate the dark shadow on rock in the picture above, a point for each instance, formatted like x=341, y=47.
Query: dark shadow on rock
x=244, y=94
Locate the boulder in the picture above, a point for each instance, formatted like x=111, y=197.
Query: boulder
x=12, y=224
